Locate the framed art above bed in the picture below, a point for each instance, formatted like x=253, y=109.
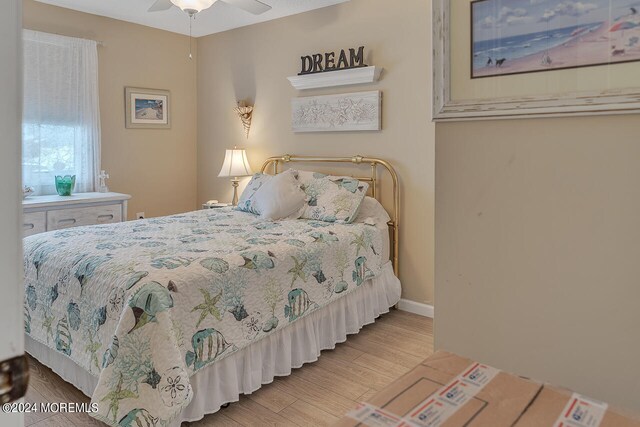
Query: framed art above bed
x=488, y=56
x=359, y=111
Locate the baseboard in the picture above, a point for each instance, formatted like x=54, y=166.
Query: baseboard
x=419, y=308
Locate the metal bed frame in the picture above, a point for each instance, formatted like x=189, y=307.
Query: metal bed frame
x=373, y=179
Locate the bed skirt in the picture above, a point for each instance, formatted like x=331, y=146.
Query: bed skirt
x=273, y=356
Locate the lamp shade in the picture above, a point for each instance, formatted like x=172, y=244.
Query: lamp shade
x=193, y=5
x=235, y=164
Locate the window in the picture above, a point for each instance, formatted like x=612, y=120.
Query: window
x=61, y=116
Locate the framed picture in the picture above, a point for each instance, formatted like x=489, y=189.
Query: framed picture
x=524, y=36
x=530, y=58
x=361, y=111
x=147, y=108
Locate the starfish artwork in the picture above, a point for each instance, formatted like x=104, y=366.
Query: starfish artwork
x=360, y=242
x=208, y=307
x=298, y=271
x=92, y=348
x=47, y=324
x=116, y=396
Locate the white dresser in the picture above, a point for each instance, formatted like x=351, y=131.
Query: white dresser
x=46, y=213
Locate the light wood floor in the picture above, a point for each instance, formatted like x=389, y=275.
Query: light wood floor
x=315, y=395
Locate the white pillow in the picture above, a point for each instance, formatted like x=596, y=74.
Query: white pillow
x=246, y=202
x=280, y=197
x=373, y=213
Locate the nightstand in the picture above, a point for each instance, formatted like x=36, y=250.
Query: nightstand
x=215, y=205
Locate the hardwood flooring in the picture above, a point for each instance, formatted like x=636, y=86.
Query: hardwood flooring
x=317, y=394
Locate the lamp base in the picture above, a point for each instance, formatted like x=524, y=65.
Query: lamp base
x=235, y=182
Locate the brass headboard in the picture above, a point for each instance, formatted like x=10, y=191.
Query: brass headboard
x=373, y=179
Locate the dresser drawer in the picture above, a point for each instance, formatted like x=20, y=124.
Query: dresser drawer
x=34, y=223
x=65, y=218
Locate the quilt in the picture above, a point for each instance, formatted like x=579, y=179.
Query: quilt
x=143, y=305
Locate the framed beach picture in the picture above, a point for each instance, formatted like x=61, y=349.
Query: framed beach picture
x=525, y=36
x=147, y=108
x=530, y=58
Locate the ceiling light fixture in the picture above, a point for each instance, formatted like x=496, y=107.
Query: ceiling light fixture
x=193, y=6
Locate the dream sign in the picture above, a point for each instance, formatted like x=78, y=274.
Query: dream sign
x=333, y=61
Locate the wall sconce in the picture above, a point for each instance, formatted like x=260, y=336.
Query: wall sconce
x=245, y=113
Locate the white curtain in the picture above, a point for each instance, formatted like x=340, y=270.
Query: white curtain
x=61, y=113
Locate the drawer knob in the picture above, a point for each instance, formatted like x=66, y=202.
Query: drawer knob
x=28, y=226
x=105, y=217
x=67, y=221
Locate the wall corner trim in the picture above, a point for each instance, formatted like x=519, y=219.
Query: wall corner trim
x=418, y=308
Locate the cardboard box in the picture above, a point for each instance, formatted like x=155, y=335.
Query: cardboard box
x=499, y=403
x=489, y=398
x=552, y=402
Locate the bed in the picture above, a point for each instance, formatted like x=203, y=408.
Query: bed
x=165, y=320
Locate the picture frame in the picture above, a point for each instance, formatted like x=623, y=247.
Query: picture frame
x=524, y=36
x=447, y=107
x=147, y=108
x=347, y=112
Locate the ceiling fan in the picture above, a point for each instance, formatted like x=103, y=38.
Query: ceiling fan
x=192, y=7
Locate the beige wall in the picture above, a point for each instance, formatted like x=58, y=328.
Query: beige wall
x=157, y=167
x=253, y=63
x=538, y=249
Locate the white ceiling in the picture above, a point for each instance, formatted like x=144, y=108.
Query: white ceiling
x=220, y=17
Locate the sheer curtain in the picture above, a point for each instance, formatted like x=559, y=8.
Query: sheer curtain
x=61, y=115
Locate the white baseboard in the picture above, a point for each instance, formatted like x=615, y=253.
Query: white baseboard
x=419, y=308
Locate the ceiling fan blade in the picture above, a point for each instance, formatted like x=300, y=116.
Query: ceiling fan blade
x=160, y=5
x=251, y=6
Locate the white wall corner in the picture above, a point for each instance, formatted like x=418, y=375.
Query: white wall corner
x=418, y=308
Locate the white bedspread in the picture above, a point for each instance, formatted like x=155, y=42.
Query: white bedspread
x=144, y=305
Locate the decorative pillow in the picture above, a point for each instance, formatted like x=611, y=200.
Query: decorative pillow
x=373, y=213
x=280, y=197
x=246, y=202
x=332, y=198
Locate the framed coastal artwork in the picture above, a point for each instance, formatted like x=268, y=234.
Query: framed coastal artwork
x=360, y=111
x=525, y=36
x=532, y=58
x=147, y=108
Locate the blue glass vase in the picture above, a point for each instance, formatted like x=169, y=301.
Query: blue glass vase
x=65, y=184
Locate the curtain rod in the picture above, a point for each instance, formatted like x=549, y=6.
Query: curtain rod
x=99, y=42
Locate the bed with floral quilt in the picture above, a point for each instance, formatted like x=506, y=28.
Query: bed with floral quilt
x=144, y=308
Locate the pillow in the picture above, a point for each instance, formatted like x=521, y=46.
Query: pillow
x=280, y=197
x=246, y=201
x=373, y=213
x=332, y=198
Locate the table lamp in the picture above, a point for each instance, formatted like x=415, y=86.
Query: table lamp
x=235, y=166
